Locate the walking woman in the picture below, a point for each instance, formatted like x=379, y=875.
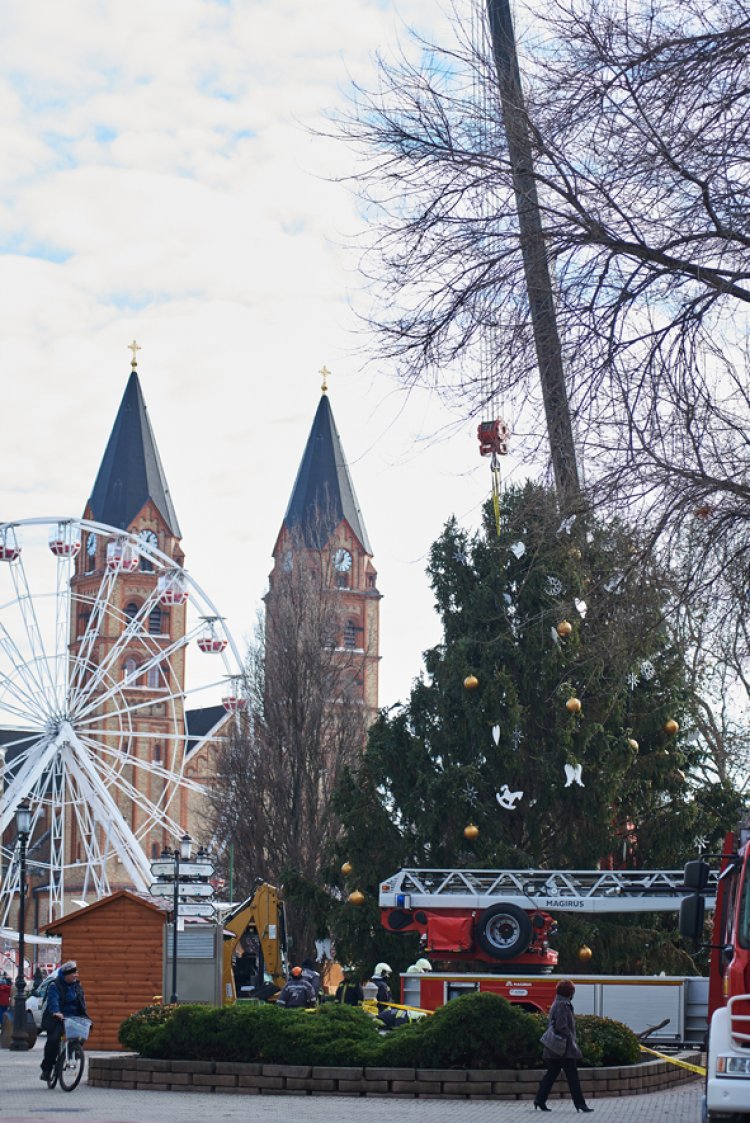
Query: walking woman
x=562, y=1020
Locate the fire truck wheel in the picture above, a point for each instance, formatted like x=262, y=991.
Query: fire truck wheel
x=503, y=931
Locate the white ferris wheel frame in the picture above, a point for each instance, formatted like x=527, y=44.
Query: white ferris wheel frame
x=65, y=762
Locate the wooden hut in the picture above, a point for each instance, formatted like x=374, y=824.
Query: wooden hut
x=118, y=945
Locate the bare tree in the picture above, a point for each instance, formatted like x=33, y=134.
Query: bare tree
x=639, y=119
x=304, y=723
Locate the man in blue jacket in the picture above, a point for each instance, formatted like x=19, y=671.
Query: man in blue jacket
x=64, y=998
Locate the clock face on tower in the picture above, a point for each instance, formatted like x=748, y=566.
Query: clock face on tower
x=342, y=561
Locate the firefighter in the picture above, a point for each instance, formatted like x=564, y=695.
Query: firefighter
x=386, y=1015
x=380, y=977
x=313, y=976
x=349, y=992
x=420, y=967
x=297, y=993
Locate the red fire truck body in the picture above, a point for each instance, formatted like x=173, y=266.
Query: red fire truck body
x=728, y=1060
x=638, y=1001
x=504, y=918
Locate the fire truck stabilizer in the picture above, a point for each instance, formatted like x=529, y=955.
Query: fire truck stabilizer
x=503, y=916
x=728, y=1062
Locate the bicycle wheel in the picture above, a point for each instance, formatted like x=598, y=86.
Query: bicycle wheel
x=70, y=1065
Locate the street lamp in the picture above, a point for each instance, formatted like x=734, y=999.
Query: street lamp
x=178, y=855
x=20, y=1040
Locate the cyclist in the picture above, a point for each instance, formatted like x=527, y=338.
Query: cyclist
x=64, y=998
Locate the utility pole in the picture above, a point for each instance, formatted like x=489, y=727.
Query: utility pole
x=536, y=268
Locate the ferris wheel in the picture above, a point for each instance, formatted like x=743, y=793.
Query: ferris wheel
x=108, y=650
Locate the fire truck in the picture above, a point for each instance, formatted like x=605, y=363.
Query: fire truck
x=505, y=919
x=728, y=1061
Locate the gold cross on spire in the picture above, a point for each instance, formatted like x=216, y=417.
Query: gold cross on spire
x=134, y=347
x=324, y=372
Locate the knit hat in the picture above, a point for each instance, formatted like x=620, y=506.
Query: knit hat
x=69, y=968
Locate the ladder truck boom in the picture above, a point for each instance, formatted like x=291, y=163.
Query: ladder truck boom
x=492, y=915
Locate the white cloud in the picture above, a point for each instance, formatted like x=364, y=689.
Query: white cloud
x=156, y=154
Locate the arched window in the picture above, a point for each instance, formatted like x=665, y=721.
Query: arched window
x=156, y=754
x=155, y=621
x=131, y=611
x=350, y=634
x=155, y=851
x=129, y=669
x=153, y=678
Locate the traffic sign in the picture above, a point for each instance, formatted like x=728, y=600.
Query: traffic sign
x=165, y=868
x=204, y=908
x=184, y=889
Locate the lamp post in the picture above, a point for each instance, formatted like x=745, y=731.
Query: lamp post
x=20, y=1040
x=181, y=854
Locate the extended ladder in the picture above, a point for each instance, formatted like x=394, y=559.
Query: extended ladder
x=600, y=891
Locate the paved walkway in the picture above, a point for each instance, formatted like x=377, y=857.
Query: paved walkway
x=24, y=1099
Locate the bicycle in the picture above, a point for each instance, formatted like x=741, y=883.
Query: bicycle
x=71, y=1059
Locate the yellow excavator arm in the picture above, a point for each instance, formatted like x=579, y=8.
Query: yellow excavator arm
x=256, y=932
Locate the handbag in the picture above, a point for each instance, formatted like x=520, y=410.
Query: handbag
x=553, y=1041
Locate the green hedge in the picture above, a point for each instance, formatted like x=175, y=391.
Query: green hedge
x=475, y=1031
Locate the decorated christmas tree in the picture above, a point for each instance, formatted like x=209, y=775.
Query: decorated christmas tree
x=550, y=727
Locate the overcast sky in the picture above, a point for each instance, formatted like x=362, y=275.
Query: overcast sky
x=159, y=182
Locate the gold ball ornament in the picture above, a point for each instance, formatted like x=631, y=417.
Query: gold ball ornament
x=585, y=953
x=471, y=832
x=356, y=898
x=347, y=868
x=573, y=705
x=671, y=727
x=564, y=628
x=633, y=744
x=471, y=682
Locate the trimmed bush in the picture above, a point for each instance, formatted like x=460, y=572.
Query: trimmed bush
x=476, y=1031
x=604, y=1041
x=329, y=1035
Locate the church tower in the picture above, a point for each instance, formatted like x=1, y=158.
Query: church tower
x=131, y=493
x=324, y=515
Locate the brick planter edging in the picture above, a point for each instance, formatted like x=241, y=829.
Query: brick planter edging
x=305, y=1080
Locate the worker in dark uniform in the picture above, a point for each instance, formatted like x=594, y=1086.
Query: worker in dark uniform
x=349, y=991
x=297, y=993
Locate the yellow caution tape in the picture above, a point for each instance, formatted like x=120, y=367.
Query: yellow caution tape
x=699, y=1069
x=416, y=1009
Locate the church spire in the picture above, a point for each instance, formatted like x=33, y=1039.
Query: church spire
x=131, y=472
x=323, y=488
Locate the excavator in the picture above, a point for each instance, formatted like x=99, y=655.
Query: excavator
x=255, y=962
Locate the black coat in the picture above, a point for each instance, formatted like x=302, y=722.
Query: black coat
x=563, y=1020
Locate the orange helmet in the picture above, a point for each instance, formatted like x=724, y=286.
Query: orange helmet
x=296, y=971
